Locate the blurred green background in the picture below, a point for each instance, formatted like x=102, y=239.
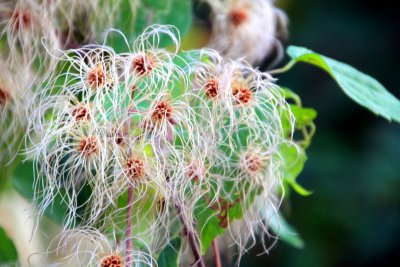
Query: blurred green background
x=353, y=216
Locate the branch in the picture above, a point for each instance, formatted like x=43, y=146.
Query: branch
x=217, y=255
x=191, y=236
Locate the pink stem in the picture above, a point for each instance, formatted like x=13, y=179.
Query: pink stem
x=217, y=255
x=128, y=241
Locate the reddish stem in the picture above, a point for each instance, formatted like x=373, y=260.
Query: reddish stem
x=217, y=255
x=128, y=241
x=191, y=237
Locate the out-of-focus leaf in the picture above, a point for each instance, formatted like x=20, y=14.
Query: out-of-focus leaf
x=8, y=252
x=283, y=229
x=360, y=87
x=169, y=256
x=135, y=18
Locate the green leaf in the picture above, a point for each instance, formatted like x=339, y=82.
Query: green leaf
x=213, y=222
x=283, y=229
x=169, y=256
x=294, y=158
x=208, y=224
x=133, y=20
x=8, y=252
x=304, y=116
x=360, y=87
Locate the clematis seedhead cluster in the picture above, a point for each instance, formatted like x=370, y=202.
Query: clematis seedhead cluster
x=147, y=135
x=139, y=147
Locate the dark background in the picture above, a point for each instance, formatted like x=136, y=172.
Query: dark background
x=353, y=216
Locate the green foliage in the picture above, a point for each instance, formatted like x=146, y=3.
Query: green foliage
x=294, y=156
x=211, y=224
x=285, y=232
x=213, y=220
x=8, y=252
x=169, y=256
x=293, y=160
x=134, y=19
x=360, y=87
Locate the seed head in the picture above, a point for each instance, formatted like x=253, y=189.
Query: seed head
x=80, y=113
x=96, y=77
x=88, y=146
x=135, y=169
x=4, y=96
x=143, y=64
x=252, y=163
x=243, y=95
x=21, y=19
x=238, y=16
x=111, y=261
x=162, y=111
x=212, y=88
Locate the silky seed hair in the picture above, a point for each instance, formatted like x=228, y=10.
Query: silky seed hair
x=174, y=133
x=15, y=94
x=29, y=30
x=89, y=247
x=249, y=29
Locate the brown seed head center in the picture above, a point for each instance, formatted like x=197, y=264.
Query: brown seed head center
x=243, y=95
x=80, y=113
x=162, y=110
x=96, y=77
x=143, y=64
x=88, y=146
x=212, y=88
x=253, y=163
x=111, y=261
x=4, y=96
x=238, y=16
x=135, y=169
x=21, y=19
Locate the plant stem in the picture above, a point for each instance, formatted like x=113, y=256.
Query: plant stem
x=217, y=255
x=192, y=240
x=128, y=241
x=283, y=69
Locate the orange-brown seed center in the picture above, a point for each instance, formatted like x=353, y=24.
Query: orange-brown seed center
x=143, y=64
x=88, y=146
x=21, y=19
x=111, y=261
x=253, y=163
x=4, y=96
x=96, y=77
x=162, y=110
x=135, y=168
x=238, y=16
x=243, y=95
x=80, y=113
x=212, y=88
